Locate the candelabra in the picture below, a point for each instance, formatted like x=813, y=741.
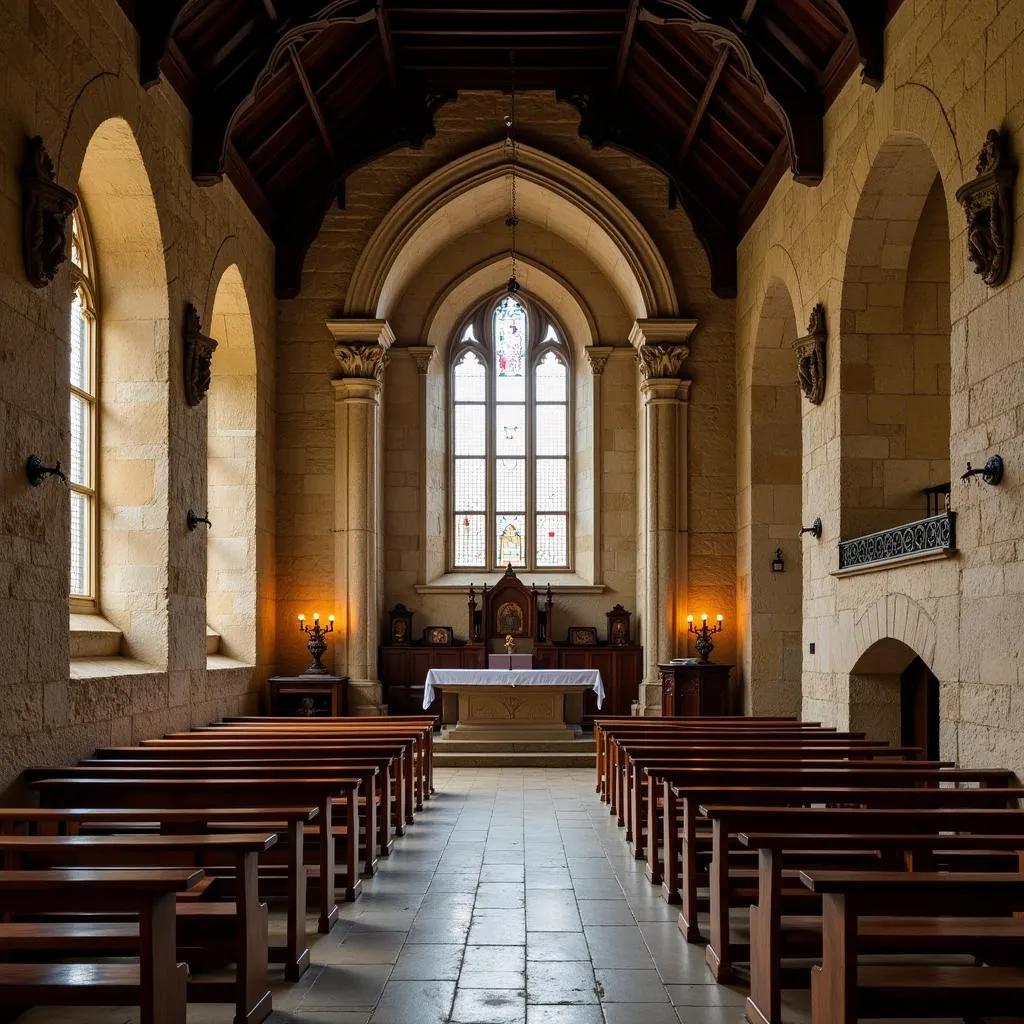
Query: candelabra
x=316, y=645
x=704, y=634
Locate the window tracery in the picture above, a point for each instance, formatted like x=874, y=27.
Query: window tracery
x=510, y=450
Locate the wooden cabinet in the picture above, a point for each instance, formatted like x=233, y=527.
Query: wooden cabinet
x=621, y=670
x=404, y=667
x=318, y=696
x=694, y=689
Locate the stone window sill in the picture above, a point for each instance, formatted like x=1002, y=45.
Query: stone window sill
x=110, y=668
x=458, y=583
x=222, y=663
x=92, y=636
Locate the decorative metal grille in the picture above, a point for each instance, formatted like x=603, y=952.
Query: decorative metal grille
x=937, y=533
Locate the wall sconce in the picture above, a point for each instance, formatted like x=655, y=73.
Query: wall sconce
x=778, y=565
x=991, y=472
x=316, y=645
x=704, y=634
x=37, y=472
x=194, y=519
x=814, y=529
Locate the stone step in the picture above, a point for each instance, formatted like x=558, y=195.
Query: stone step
x=526, y=746
x=509, y=759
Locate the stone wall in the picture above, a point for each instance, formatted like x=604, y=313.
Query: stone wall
x=952, y=72
x=69, y=75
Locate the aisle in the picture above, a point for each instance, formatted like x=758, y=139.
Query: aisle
x=513, y=899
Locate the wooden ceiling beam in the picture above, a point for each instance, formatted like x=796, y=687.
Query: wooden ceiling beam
x=268, y=6
x=311, y=101
x=386, y=43
x=705, y=99
x=622, y=61
x=866, y=21
x=154, y=22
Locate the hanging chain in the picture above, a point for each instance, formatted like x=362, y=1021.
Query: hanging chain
x=512, y=220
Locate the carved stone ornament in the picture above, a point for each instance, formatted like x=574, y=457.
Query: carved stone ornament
x=367, y=361
x=810, y=357
x=46, y=207
x=661, y=361
x=598, y=358
x=421, y=356
x=199, y=351
x=988, y=204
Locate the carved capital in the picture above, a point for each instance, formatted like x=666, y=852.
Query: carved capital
x=810, y=357
x=199, y=349
x=597, y=356
x=366, y=361
x=421, y=356
x=661, y=361
x=988, y=205
x=45, y=209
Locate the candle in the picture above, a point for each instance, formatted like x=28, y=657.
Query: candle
x=689, y=618
x=704, y=617
x=316, y=617
x=302, y=623
x=719, y=617
x=330, y=618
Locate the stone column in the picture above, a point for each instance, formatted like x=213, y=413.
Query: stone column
x=421, y=357
x=361, y=347
x=597, y=356
x=664, y=395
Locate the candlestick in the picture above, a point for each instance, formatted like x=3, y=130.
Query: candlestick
x=704, y=644
x=316, y=645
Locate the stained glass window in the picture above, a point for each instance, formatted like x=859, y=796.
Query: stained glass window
x=510, y=440
x=82, y=381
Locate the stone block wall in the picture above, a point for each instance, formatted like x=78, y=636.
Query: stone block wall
x=69, y=75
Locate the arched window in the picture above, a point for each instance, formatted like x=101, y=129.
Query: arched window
x=510, y=451
x=84, y=362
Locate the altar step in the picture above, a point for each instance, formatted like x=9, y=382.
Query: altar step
x=519, y=753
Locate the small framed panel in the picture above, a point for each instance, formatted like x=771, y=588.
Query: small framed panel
x=618, y=626
x=582, y=636
x=438, y=636
x=400, y=625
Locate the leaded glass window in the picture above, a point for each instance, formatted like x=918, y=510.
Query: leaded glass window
x=82, y=380
x=510, y=440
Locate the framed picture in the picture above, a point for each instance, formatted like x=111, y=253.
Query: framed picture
x=618, y=626
x=438, y=636
x=400, y=628
x=582, y=636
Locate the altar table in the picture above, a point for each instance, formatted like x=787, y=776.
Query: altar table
x=532, y=704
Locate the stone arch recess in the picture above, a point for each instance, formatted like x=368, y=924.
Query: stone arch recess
x=231, y=471
x=134, y=377
x=473, y=190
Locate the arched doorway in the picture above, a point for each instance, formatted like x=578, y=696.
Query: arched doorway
x=894, y=696
x=231, y=475
x=771, y=506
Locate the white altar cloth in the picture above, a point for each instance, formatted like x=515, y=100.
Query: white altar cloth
x=438, y=677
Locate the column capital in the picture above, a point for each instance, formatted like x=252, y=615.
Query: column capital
x=597, y=356
x=661, y=347
x=421, y=356
x=361, y=347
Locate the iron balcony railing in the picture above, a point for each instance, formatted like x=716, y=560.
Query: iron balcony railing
x=934, y=535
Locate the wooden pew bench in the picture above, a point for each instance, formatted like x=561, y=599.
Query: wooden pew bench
x=843, y=991
x=776, y=934
x=286, y=868
x=961, y=810
x=207, y=932
x=323, y=793
x=156, y=984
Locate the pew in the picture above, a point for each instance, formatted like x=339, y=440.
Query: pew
x=156, y=984
x=843, y=991
x=367, y=771
x=294, y=954
x=772, y=936
x=201, y=925
x=272, y=793
x=947, y=809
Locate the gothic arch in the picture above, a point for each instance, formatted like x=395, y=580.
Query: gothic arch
x=473, y=190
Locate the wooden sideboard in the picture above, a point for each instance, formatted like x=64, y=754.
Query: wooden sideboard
x=694, y=689
x=403, y=670
x=309, y=695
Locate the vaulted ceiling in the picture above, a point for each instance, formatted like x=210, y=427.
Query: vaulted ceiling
x=288, y=97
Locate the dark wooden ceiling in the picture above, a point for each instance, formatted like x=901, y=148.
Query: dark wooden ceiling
x=288, y=97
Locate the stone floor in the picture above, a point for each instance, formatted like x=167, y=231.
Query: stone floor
x=512, y=900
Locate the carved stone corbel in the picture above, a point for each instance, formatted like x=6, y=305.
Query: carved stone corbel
x=367, y=361
x=597, y=356
x=810, y=357
x=988, y=204
x=199, y=349
x=46, y=207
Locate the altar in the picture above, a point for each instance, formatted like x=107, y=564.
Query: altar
x=508, y=703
